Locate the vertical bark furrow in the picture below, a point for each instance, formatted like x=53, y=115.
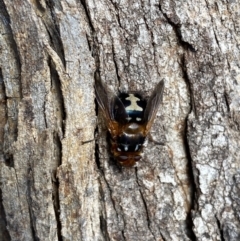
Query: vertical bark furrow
x=32, y=148
x=4, y=234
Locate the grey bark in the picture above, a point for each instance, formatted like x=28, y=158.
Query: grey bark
x=57, y=178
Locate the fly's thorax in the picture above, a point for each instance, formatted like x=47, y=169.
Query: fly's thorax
x=134, y=106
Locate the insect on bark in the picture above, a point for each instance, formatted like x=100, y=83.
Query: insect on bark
x=129, y=118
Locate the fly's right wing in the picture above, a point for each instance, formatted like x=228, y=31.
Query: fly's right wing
x=103, y=100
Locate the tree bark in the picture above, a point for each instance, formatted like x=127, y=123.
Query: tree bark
x=58, y=179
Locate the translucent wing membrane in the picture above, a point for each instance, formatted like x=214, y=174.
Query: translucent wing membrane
x=102, y=98
x=119, y=109
x=152, y=105
x=111, y=106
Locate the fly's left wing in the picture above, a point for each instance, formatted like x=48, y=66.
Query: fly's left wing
x=152, y=106
x=110, y=105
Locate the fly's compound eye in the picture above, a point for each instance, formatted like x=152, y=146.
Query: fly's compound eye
x=123, y=158
x=137, y=158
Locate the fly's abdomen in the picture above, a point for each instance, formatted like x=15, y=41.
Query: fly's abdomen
x=130, y=142
x=127, y=148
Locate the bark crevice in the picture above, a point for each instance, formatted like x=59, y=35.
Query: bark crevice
x=220, y=229
x=3, y=221
x=86, y=10
x=177, y=29
x=57, y=86
x=188, y=153
x=55, y=186
x=148, y=219
x=102, y=217
x=97, y=158
x=29, y=193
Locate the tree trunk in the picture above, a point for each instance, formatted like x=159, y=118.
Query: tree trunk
x=58, y=179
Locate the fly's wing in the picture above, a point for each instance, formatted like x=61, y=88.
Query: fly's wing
x=108, y=103
x=119, y=109
x=102, y=98
x=152, y=106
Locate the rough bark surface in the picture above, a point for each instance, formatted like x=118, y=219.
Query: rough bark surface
x=57, y=178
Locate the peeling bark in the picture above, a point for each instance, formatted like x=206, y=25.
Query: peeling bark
x=58, y=180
